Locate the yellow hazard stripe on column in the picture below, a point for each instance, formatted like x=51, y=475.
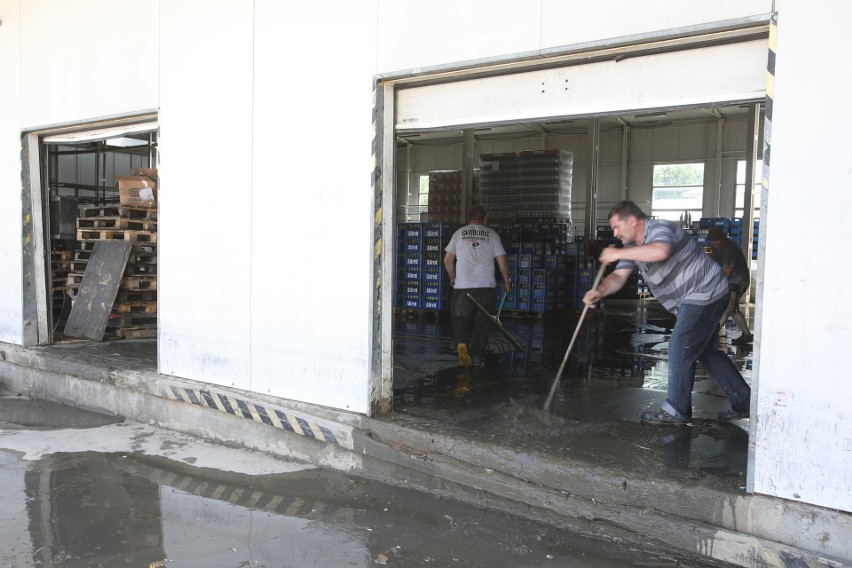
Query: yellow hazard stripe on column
x=270, y=415
x=770, y=98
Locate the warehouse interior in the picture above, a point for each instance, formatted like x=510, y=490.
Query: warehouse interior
x=91, y=181
x=617, y=366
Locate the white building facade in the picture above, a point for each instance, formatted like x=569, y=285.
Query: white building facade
x=277, y=125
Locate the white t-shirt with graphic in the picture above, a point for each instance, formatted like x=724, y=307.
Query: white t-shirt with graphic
x=475, y=247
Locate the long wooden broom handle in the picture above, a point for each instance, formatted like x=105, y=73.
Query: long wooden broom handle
x=547, y=402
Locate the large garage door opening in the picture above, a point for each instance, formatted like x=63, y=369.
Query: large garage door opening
x=100, y=190
x=548, y=152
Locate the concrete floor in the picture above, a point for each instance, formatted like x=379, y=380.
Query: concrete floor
x=617, y=369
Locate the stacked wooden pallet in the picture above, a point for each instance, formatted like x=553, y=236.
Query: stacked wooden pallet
x=60, y=261
x=134, y=314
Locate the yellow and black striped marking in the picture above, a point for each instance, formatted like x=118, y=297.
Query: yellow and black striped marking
x=377, y=226
x=284, y=419
x=770, y=97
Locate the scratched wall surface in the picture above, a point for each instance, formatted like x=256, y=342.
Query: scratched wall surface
x=11, y=307
x=266, y=253
x=803, y=442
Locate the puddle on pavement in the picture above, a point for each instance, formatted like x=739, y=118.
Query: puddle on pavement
x=617, y=369
x=138, y=508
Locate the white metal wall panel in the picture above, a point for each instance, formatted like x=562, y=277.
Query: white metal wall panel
x=312, y=203
x=803, y=433
x=205, y=244
x=11, y=307
x=483, y=29
x=564, y=23
x=707, y=75
x=84, y=61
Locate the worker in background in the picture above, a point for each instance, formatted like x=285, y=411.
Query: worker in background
x=736, y=270
x=469, y=261
x=687, y=283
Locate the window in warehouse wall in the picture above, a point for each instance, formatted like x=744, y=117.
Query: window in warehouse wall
x=740, y=199
x=678, y=191
x=423, y=189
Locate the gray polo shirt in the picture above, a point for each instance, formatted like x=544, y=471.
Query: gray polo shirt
x=688, y=276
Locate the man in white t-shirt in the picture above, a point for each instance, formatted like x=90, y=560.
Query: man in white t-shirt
x=469, y=261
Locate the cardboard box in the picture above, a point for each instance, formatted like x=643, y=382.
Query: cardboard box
x=136, y=191
x=147, y=172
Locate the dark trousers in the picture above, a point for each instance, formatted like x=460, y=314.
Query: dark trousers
x=695, y=339
x=470, y=325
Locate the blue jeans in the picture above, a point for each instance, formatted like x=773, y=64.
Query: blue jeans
x=695, y=338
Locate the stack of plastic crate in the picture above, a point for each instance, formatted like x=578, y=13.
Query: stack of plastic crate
x=409, y=265
x=543, y=271
x=736, y=233
x=436, y=281
x=584, y=278
x=421, y=281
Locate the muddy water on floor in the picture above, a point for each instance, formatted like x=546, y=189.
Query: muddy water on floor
x=87, y=491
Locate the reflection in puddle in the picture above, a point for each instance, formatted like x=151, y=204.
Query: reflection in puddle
x=94, y=509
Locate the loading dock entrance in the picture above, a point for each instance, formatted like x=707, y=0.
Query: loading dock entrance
x=619, y=109
x=75, y=199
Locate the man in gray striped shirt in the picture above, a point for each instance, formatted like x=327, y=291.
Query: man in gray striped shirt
x=689, y=284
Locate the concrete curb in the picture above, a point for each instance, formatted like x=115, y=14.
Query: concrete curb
x=740, y=529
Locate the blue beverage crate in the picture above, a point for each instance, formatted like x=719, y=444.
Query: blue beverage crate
x=411, y=301
x=411, y=287
x=411, y=259
x=433, y=259
x=432, y=302
x=412, y=273
x=434, y=288
x=542, y=290
x=512, y=259
x=432, y=245
x=542, y=305
x=432, y=274
x=524, y=276
x=409, y=230
x=554, y=261
x=436, y=230
x=543, y=275
x=529, y=261
x=411, y=244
